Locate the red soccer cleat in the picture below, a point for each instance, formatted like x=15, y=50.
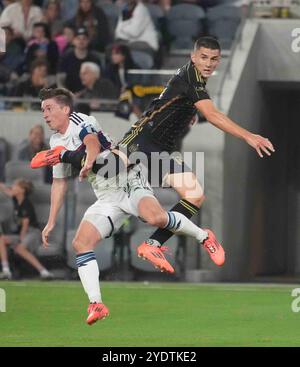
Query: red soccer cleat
x=155, y=255
x=96, y=311
x=48, y=157
x=214, y=248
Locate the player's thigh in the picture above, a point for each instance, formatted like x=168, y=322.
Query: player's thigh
x=105, y=216
x=186, y=185
x=150, y=210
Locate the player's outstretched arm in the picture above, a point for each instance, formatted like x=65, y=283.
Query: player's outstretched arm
x=93, y=147
x=58, y=190
x=210, y=112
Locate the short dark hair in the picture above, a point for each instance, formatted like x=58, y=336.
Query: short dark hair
x=45, y=28
x=207, y=42
x=62, y=96
x=38, y=63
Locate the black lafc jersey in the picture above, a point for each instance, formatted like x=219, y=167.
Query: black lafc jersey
x=168, y=117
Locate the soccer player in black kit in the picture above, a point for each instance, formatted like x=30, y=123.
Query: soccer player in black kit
x=161, y=129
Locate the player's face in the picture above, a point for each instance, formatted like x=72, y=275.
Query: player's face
x=206, y=60
x=55, y=115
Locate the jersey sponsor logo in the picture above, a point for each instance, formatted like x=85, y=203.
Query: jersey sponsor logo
x=200, y=89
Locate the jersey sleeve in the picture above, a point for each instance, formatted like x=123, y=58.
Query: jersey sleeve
x=60, y=170
x=196, y=85
x=85, y=125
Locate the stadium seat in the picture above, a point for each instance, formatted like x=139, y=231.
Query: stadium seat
x=40, y=198
x=184, y=23
x=19, y=169
x=4, y=154
x=222, y=22
x=156, y=14
x=6, y=210
x=112, y=12
x=142, y=58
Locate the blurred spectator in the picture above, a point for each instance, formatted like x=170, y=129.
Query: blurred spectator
x=69, y=9
x=38, y=79
x=40, y=46
x=95, y=21
x=32, y=145
x=21, y=16
x=52, y=17
x=5, y=3
x=12, y=60
x=135, y=26
x=71, y=61
x=64, y=41
x=26, y=236
x=95, y=86
x=119, y=62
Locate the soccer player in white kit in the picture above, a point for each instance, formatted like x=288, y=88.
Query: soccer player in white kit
x=128, y=193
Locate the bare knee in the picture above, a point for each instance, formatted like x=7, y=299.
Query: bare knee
x=157, y=219
x=86, y=238
x=79, y=246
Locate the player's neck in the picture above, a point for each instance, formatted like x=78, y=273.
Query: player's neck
x=64, y=127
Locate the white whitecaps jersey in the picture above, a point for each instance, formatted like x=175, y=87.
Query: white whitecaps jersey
x=79, y=127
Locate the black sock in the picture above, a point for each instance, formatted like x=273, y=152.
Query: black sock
x=184, y=207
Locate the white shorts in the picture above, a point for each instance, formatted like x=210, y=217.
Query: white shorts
x=107, y=214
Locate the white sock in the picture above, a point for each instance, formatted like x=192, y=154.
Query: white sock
x=5, y=267
x=88, y=271
x=44, y=272
x=178, y=223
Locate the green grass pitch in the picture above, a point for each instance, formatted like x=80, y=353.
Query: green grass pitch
x=151, y=315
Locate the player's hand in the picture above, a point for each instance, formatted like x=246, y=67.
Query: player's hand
x=45, y=234
x=85, y=170
x=260, y=144
x=49, y=157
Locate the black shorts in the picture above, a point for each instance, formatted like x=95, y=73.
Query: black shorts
x=163, y=164
x=158, y=162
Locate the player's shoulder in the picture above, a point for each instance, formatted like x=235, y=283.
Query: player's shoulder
x=81, y=120
x=78, y=118
x=184, y=70
x=54, y=140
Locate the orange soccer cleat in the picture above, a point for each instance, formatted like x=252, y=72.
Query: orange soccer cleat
x=48, y=157
x=155, y=255
x=96, y=311
x=214, y=248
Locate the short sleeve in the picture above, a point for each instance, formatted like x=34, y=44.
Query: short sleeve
x=60, y=170
x=86, y=129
